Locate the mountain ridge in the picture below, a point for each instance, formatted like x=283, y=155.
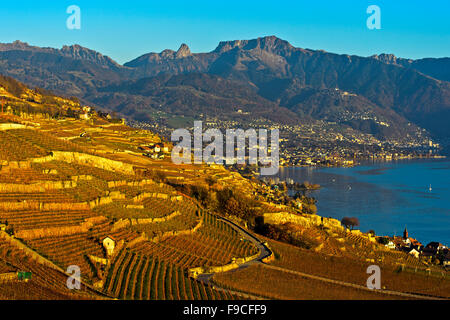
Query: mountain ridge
x=400, y=90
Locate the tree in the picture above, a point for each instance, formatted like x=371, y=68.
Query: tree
x=350, y=222
x=223, y=196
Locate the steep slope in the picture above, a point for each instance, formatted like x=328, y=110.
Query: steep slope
x=191, y=95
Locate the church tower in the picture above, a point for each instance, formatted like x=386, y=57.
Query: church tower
x=405, y=234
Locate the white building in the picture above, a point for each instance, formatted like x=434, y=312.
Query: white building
x=109, y=244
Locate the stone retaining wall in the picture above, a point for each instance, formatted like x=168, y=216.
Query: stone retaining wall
x=120, y=183
x=194, y=272
x=37, y=186
x=303, y=220
x=89, y=160
x=58, y=231
x=35, y=205
x=95, y=259
x=12, y=126
x=123, y=223
x=112, y=195
x=157, y=195
x=177, y=233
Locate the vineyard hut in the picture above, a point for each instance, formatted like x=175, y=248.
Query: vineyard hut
x=109, y=244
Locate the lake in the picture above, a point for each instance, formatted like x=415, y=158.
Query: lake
x=385, y=196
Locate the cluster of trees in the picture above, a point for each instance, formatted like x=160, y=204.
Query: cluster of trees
x=155, y=175
x=350, y=222
x=234, y=204
x=225, y=202
x=285, y=233
x=308, y=203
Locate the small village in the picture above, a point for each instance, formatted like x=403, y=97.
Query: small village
x=433, y=253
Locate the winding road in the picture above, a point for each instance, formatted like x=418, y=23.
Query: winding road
x=263, y=249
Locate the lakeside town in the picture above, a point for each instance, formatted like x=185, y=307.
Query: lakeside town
x=320, y=143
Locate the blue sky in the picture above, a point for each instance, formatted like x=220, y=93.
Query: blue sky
x=124, y=30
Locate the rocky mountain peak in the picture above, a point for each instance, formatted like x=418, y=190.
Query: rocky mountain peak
x=78, y=52
x=386, y=58
x=18, y=45
x=271, y=44
x=183, y=51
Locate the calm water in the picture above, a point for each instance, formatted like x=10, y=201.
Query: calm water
x=385, y=196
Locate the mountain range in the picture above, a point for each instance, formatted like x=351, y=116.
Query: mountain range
x=266, y=77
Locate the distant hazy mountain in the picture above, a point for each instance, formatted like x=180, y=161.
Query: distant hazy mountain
x=190, y=95
x=266, y=76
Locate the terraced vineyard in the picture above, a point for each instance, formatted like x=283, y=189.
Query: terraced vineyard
x=66, y=170
x=51, y=196
x=134, y=276
x=353, y=270
x=31, y=219
x=80, y=193
x=282, y=285
x=70, y=250
x=13, y=148
x=44, y=141
x=45, y=283
x=214, y=244
x=24, y=176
